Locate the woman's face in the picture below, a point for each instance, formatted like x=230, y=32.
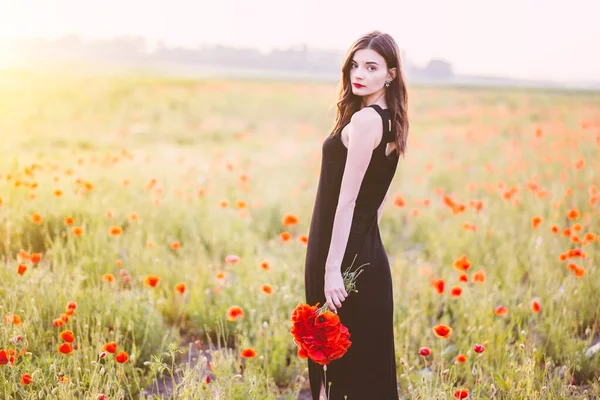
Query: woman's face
x=368, y=72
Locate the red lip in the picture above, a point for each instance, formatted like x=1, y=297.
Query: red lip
x=358, y=85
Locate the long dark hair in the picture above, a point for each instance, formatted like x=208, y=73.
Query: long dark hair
x=395, y=95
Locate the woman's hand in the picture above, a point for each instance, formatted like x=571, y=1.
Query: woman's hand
x=335, y=291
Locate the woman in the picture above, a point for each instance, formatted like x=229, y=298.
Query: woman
x=358, y=163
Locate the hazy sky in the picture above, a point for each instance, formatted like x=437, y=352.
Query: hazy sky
x=545, y=39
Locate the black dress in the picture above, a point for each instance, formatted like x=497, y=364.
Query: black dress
x=368, y=369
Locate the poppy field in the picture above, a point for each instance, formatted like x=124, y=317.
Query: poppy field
x=153, y=233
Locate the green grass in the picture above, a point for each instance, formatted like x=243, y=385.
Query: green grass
x=206, y=141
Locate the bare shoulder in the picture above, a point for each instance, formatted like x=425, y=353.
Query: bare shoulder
x=367, y=117
x=368, y=126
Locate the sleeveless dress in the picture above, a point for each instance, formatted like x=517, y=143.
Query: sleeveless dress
x=368, y=369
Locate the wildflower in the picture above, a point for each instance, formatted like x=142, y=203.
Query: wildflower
x=266, y=289
x=439, y=286
x=424, y=351
x=67, y=336
x=285, y=236
x=265, y=265
x=462, y=264
x=289, y=219
x=248, y=353
x=121, y=357
x=478, y=348
x=151, y=280
x=461, y=358
x=442, y=331
x=535, y=305
x=234, y=312
x=180, y=288
x=501, y=311
x=232, y=259
x=111, y=347
x=26, y=379
x=65, y=348
x=479, y=276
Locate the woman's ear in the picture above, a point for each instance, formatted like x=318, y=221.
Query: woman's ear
x=392, y=74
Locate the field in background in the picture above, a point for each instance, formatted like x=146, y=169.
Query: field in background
x=157, y=206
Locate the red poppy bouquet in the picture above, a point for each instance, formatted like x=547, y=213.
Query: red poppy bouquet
x=318, y=332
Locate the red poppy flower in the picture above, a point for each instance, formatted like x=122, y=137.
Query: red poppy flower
x=234, y=312
x=12, y=319
x=266, y=289
x=439, y=286
x=35, y=258
x=248, y=353
x=115, y=231
x=285, y=236
x=479, y=276
x=265, y=265
x=67, y=336
x=3, y=357
x=303, y=239
x=442, y=331
x=180, y=288
x=289, y=219
x=321, y=337
x=478, y=348
x=151, y=280
x=65, y=348
x=573, y=214
x=399, y=200
x=535, y=305
x=111, y=347
x=424, y=351
x=461, y=358
x=455, y=292
x=26, y=379
x=121, y=357
x=501, y=311
x=462, y=264
x=461, y=393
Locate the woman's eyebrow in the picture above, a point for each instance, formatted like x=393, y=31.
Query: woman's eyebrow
x=368, y=62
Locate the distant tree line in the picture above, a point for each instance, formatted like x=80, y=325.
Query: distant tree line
x=137, y=50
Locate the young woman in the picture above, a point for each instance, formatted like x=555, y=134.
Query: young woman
x=358, y=163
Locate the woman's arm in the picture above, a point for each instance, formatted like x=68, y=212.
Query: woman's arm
x=364, y=133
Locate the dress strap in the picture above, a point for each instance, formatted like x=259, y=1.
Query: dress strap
x=387, y=122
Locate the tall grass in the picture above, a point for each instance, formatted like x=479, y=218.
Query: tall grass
x=195, y=171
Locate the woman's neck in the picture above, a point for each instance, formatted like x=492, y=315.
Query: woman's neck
x=375, y=98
